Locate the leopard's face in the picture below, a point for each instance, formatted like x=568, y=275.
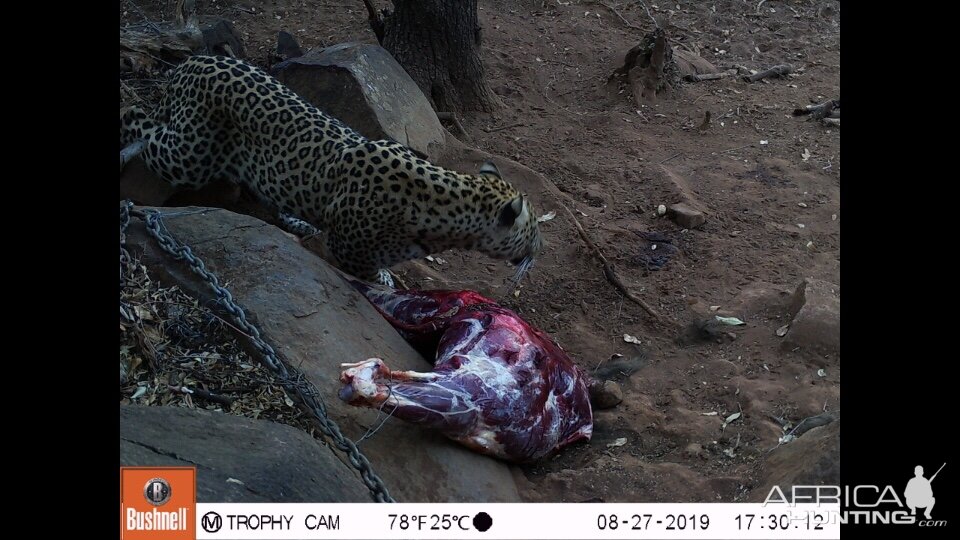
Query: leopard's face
x=514, y=233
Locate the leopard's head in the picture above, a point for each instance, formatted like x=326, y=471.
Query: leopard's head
x=512, y=232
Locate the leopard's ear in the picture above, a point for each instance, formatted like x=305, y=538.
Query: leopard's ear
x=488, y=167
x=513, y=210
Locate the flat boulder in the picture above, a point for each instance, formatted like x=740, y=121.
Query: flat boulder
x=811, y=460
x=316, y=321
x=364, y=87
x=238, y=459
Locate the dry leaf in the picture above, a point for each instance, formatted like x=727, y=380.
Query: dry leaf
x=619, y=442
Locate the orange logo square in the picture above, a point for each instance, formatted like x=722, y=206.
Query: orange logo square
x=158, y=503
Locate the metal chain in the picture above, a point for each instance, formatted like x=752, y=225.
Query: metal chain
x=292, y=380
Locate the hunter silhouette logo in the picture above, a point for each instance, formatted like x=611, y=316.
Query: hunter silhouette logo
x=869, y=504
x=919, y=492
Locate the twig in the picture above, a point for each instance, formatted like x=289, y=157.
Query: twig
x=760, y=4
x=223, y=400
x=669, y=158
x=644, y=4
x=451, y=117
x=501, y=128
x=835, y=122
x=611, y=275
x=780, y=70
x=737, y=148
x=617, y=13
x=696, y=77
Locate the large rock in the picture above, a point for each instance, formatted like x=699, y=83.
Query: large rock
x=811, y=460
x=267, y=462
x=364, y=87
x=315, y=320
x=816, y=319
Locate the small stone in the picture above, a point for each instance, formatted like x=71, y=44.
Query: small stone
x=605, y=394
x=687, y=217
x=662, y=210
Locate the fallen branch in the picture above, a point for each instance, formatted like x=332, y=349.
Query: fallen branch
x=611, y=276
x=697, y=77
x=822, y=110
x=776, y=71
x=834, y=122
x=811, y=422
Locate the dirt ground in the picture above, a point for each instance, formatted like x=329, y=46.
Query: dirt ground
x=768, y=182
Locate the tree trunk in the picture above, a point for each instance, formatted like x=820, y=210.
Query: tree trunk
x=438, y=43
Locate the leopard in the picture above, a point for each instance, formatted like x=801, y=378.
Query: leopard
x=378, y=202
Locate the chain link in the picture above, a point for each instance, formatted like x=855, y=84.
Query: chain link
x=292, y=379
